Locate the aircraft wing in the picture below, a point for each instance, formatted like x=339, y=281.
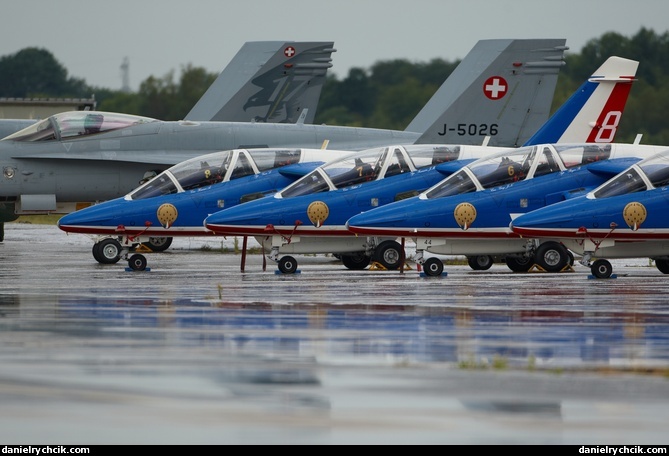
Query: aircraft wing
x=605, y=168
x=268, y=81
x=612, y=167
x=154, y=157
x=298, y=170
x=451, y=167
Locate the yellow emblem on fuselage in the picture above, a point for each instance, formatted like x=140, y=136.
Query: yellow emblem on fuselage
x=634, y=215
x=318, y=212
x=465, y=214
x=167, y=214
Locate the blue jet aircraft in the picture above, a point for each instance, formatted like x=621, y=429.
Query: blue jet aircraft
x=280, y=222
x=626, y=217
x=365, y=179
x=526, y=67
x=469, y=212
x=184, y=197
x=75, y=159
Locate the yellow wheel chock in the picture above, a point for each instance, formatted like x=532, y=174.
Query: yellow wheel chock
x=376, y=266
x=536, y=268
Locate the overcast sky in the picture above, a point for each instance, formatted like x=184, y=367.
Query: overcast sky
x=91, y=38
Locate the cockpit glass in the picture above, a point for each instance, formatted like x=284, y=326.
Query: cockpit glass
x=501, y=169
x=626, y=182
x=577, y=155
x=314, y=182
x=455, y=184
x=352, y=169
x=160, y=185
x=44, y=130
x=75, y=124
x=423, y=155
x=657, y=169
x=270, y=159
x=357, y=168
x=203, y=170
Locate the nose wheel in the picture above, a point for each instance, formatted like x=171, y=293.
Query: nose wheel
x=433, y=267
x=288, y=265
x=601, y=269
x=137, y=262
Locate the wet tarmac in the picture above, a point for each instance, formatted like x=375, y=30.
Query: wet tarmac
x=195, y=351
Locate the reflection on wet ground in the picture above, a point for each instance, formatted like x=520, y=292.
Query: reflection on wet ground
x=195, y=351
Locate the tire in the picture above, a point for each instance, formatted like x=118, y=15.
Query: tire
x=137, y=262
x=519, y=264
x=107, y=251
x=552, y=256
x=356, y=261
x=159, y=244
x=389, y=254
x=480, y=262
x=601, y=269
x=288, y=265
x=433, y=267
x=662, y=266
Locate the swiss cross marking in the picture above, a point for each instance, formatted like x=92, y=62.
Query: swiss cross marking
x=495, y=87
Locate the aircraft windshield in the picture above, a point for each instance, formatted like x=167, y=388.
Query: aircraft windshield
x=190, y=174
x=498, y=169
x=75, y=124
x=350, y=170
x=516, y=165
x=270, y=159
x=162, y=184
x=582, y=154
x=369, y=165
x=655, y=169
x=205, y=170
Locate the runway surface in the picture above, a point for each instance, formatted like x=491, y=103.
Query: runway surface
x=195, y=351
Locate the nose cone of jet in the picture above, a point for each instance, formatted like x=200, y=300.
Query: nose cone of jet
x=382, y=219
x=256, y=214
x=556, y=216
x=99, y=215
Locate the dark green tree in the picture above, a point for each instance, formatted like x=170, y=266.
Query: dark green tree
x=34, y=73
x=386, y=95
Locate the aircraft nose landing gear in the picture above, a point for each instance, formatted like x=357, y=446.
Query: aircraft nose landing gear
x=137, y=262
x=288, y=265
x=601, y=269
x=433, y=267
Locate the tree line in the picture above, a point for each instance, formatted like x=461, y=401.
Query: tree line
x=386, y=95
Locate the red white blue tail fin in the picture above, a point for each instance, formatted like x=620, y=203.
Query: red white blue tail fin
x=592, y=114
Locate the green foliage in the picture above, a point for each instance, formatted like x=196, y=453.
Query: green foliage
x=388, y=94
x=34, y=72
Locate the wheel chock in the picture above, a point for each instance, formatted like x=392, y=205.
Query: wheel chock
x=133, y=270
x=536, y=268
x=277, y=272
x=592, y=277
x=376, y=266
x=141, y=248
x=443, y=274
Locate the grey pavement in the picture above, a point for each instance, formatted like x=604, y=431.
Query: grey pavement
x=195, y=351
